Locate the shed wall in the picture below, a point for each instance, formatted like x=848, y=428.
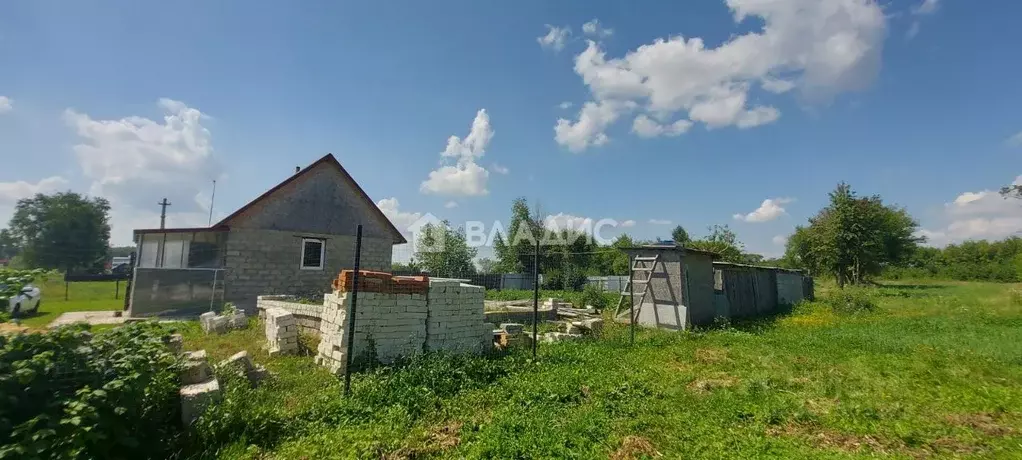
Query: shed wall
x=790, y=289
x=699, y=287
x=663, y=307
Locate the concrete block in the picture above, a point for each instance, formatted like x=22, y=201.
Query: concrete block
x=175, y=343
x=196, y=398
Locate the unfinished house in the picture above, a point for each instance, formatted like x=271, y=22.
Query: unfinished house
x=672, y=287
x=291, y=240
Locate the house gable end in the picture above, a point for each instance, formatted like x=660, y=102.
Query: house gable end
x=320, y=199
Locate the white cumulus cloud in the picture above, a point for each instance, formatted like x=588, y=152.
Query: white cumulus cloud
x=927, y=7
x=555, y=37
x=451, y=204
x=136, y=161
x=822, y=47
x=401, y=219
x=645, y=126
x=11, y=192
x=464, y=177
x=771, y=209
x=595, y=29
x=628, y=223
x=564, y=105
x=982, y=215
x=499, y=169
x=6, y=104
x=1016, y=140
x=780, y=240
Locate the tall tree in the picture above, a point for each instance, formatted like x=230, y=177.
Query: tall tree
x=444, y=252
x=854, y=237
x=723, y=241
x=62, y=231
x=680, y=236
x=9, y=246
x=486, y=265
x=515, y=248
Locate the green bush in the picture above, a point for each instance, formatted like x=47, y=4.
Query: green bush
x=71, y=394
x=592, y=295
x=851, y=300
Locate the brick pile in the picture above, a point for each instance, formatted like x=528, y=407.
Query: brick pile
x=281, y=332
x=400, y=316
x=456, y=318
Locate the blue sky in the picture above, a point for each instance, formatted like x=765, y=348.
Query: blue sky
x=914, y=100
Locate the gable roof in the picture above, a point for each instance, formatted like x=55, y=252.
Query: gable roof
x=331, y=161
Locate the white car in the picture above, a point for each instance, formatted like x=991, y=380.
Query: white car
x=26, y=301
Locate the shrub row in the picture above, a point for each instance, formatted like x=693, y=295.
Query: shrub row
x=69, y=393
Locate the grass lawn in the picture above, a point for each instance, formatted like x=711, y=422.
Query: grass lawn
x=83, y=296
x=934, y=371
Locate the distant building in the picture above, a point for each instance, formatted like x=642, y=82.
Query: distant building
x=293, y=239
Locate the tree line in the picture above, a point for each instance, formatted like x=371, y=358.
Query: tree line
x=567, y=257
x=64, y=231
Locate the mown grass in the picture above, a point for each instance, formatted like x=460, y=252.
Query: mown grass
x=81, y=296
x=935, y=370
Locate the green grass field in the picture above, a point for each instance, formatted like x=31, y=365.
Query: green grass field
x=934, y=371
x=83, y=296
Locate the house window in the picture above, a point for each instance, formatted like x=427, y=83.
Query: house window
x=312, y=254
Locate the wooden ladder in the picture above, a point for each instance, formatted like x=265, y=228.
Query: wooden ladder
x=639, y=265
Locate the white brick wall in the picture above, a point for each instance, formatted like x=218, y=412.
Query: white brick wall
x=281, y=332
x=448, y=318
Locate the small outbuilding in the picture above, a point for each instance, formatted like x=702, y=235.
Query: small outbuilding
x=672, y=286
x=676, y=287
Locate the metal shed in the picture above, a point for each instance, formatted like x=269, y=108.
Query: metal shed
x=742, y=291
x=673, y=287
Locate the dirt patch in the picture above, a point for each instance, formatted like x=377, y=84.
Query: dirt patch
x=711, y=355
x=829, y=438
x=849, y=442
x=988, y=424
x=709, y=385
x=11, y=328
x=437, y=440
x=633, y=447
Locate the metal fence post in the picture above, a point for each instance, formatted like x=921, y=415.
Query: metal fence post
x=535, y=300
x=351, y=312
x=631, y=300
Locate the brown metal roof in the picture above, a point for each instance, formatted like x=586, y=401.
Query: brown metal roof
x=215, y=228
x=673, y=247
x=763, y=267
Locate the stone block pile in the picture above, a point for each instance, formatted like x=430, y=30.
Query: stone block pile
x=213, y=323
x=199, y=387
x=401, y=316
x=281, y=332
x=454, y=324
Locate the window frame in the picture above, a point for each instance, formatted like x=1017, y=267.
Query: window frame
x=322, y=254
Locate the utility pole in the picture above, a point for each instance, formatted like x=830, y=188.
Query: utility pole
x=163, y=212
x=211, y=198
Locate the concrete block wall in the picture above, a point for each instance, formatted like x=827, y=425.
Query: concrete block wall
x=307, y=316
x=261, y=261
x=390, y=325
x=453, y=324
